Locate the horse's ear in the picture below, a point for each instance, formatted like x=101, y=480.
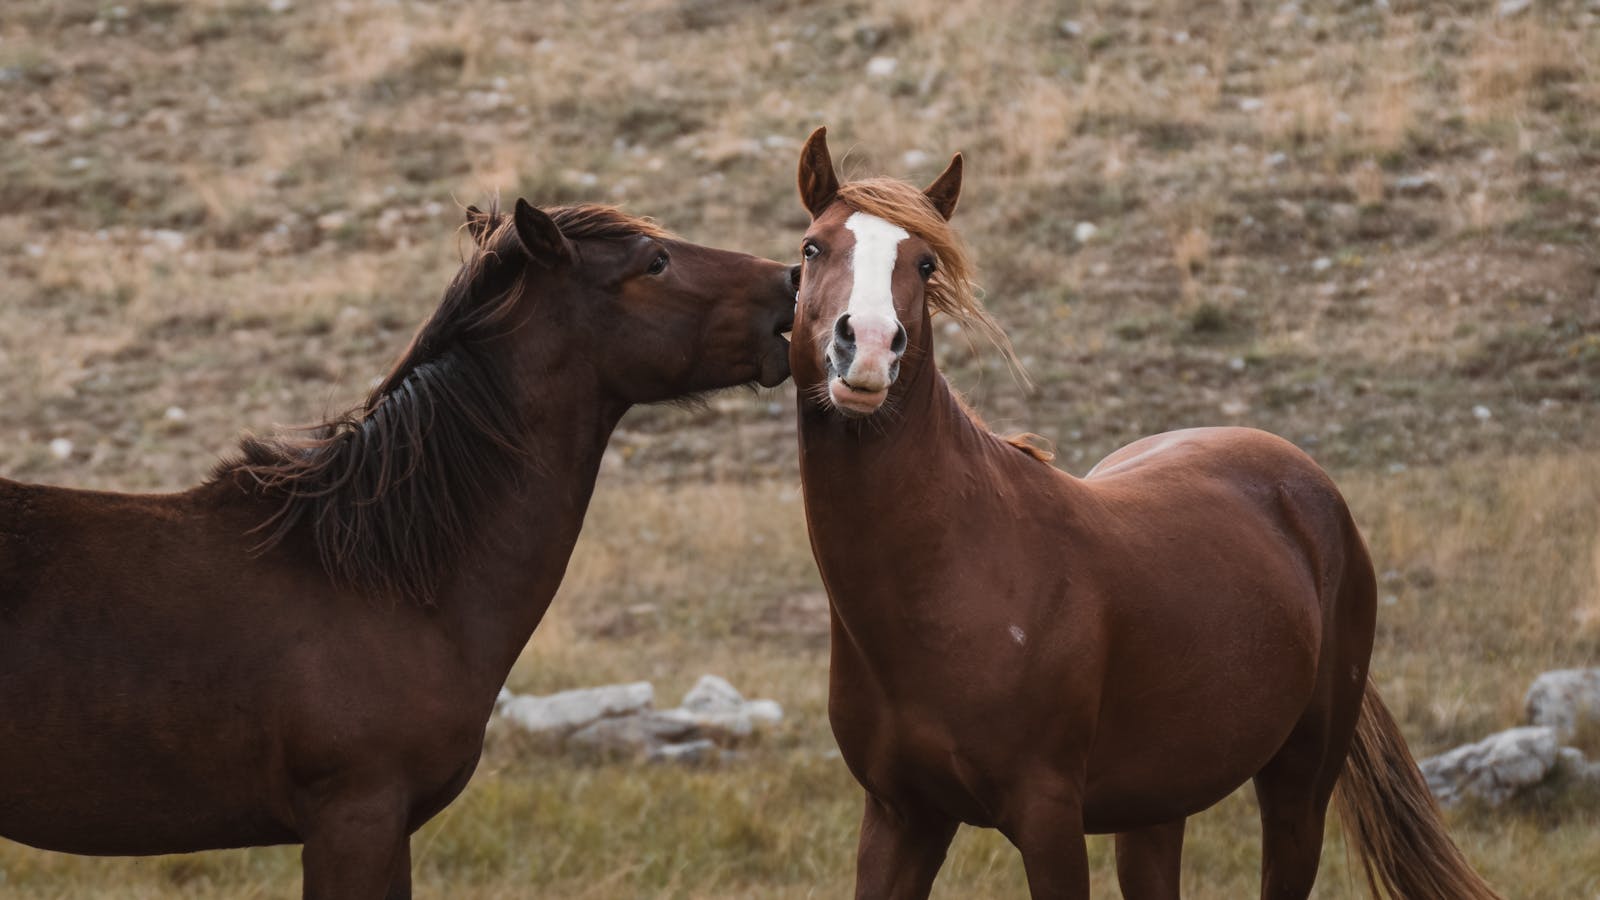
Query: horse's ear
x=818, y=185
x=540, y=235
x=946, y=189
x=478, y=224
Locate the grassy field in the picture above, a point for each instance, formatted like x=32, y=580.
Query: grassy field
x=1370, y=228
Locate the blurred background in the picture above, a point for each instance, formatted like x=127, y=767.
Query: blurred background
x=1370, y=227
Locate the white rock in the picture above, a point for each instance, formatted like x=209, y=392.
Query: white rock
x=1321, y=264
x=724, y=727
x=687, y=753
x=61, y=448
x=175, y=414
x=1482, y=413
x=389, y=220
x=764, y=712
x=631, y=736
x=1084, y=232
x=166, y=238
x=882, y=66
x=560, y=714
x=1494, y=769
x=1570, y=759
x=1509, y=8
x=721, y=713
x=1252, y=104
x=1415, y=184
x=712, y=694
x=1563, y=698
x=915, y=159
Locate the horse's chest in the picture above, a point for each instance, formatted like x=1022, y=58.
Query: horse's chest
x=433, y=796
x=917, y=760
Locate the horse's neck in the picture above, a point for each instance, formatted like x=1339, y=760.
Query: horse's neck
x=876, y=493
x=525, y=537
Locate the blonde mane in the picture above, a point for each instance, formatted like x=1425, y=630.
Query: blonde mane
x=952, y=290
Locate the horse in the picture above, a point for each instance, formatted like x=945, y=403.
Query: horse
x=306, y=647
x=1020, y=649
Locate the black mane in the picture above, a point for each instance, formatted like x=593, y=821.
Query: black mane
x=390, y=489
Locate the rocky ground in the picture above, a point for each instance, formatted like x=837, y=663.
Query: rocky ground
x=1369, y=229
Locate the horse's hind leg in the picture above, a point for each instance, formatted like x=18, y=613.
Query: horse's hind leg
x=352, y=848
x=1149, y=860
x=1294, y=788
x=1293, y=809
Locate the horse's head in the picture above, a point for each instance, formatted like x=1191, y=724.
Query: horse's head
x=879, y=257
x=655, y=316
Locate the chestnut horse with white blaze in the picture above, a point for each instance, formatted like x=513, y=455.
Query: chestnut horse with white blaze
x=1017, y=648
x=306, y=648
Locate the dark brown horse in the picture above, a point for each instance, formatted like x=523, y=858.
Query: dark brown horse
x=1020, y=649
x=307, y=647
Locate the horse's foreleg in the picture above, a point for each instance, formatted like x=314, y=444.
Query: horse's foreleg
x=900, y=852
x=1148, y=861
x=400, y=874
x=1049, y=832
x=352, y=847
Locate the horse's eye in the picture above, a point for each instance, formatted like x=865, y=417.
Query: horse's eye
x=810, y=250
x=926, y=267
x=658, y=265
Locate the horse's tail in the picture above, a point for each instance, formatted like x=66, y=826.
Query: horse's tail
x=1390, y=817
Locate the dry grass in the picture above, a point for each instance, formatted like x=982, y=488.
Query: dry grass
x=1483, y=599
x=1348, y=224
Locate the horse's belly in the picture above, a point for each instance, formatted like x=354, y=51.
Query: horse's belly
x=913, y=770
x=1140, y=792
x=1168, y=753
x=105, y=816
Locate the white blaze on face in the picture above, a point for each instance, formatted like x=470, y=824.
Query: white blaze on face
x=877, y=246
x=871, y=309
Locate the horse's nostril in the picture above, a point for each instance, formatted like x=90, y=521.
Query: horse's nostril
x=842, y=332
x=898, y=345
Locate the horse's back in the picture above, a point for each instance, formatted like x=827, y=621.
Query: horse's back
x=1208, y=449
x=1244, y=476
x=65, y=547
x=21, y=546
